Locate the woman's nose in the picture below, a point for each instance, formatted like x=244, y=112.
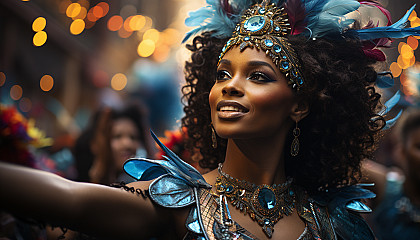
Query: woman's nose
x=233, y=88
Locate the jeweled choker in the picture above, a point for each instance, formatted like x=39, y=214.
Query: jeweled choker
x=265, y=204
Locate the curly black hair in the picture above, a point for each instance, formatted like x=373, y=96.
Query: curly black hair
x=341, y=128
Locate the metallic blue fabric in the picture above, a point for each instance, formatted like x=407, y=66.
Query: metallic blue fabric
x=171, y=192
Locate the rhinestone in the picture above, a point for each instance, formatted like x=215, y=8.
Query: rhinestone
x=247, y=38
x=268, y=43
x=300, y=80
x=277, y=48
x=285, y=65
x=277, y=28
x=254, y=23
x=267, y=198
x=261, y=11
x=229, y=189
x=284, y=57
x=267, y=221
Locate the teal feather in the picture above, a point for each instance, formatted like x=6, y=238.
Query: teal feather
x=329, y=19
x=396, y=30
x=390, y=103
x=391, y=122
x=214, y=19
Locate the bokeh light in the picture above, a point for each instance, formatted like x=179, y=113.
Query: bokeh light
x=73, y=10
x=161, y=53
x=395, y=69
x=90, y=16
x=115, y=23
x=97, y=11
x=146, y=48
x=39, y=38
x=127, y=24
x=137, y=22
x=77, y=27
x=118, y=82
x=412, y=42
x=16, y=92
x=82, y=14
x=2, y=78
x=406, y=51
x=105, y=8
x=124, y=33
x=151, y=34
x=25, y=104
x=46, y=83
x=39, y=24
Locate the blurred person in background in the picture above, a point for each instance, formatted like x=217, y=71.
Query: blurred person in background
x=397, y=205
x=114, y=135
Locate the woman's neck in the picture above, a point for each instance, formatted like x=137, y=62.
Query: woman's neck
x=259, y=161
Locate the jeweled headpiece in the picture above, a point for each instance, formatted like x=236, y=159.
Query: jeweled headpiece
x=265, y=27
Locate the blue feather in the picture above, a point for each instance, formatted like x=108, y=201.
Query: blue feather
x=326, y=16
x=213, y=18
x=392, y=122
x=396, y=30
x=385, y=81
x=390, y=103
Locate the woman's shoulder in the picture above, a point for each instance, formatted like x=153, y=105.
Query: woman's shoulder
x=336, y=212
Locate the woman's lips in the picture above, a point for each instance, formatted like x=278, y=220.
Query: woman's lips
x=230, y=109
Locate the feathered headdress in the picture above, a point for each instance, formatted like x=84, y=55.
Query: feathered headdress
x=310, y=18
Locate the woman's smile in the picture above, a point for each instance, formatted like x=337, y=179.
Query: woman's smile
x=228, y=109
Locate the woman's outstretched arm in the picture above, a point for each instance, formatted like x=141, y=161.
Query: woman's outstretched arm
x=94, y=209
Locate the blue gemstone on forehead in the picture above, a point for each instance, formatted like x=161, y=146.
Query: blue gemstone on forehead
x=267, y=198
x=277, y=48
x=268, y=42
x=254, y=23
x=247, y=38
x=285, y=65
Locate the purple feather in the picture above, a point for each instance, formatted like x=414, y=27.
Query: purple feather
x=296, y=13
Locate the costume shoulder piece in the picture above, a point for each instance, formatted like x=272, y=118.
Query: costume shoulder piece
x=341, y=208
x=176, y=184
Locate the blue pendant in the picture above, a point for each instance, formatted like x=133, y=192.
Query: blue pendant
x=254, y=23
x=267, y=198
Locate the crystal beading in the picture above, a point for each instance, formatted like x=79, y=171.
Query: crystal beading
x=265, y=204
x=265, y=27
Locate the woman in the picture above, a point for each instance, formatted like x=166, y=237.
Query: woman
x=294, y=111
x=114, y=135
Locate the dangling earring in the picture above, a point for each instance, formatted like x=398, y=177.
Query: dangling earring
x=294, y=150
x=213, y=137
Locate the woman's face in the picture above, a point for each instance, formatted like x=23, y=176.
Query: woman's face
x=124, y=140
x=251, y=97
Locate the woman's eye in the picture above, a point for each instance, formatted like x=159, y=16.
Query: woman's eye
x=261, y=77
x=222, y=75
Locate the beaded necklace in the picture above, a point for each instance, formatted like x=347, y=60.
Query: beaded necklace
x=265, y=204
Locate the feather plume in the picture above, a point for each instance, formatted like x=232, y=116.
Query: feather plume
x=380, y=7
x=296, y=13
x=214, y=17
x=396, y=30
x=326, y=16
x=390, y=103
